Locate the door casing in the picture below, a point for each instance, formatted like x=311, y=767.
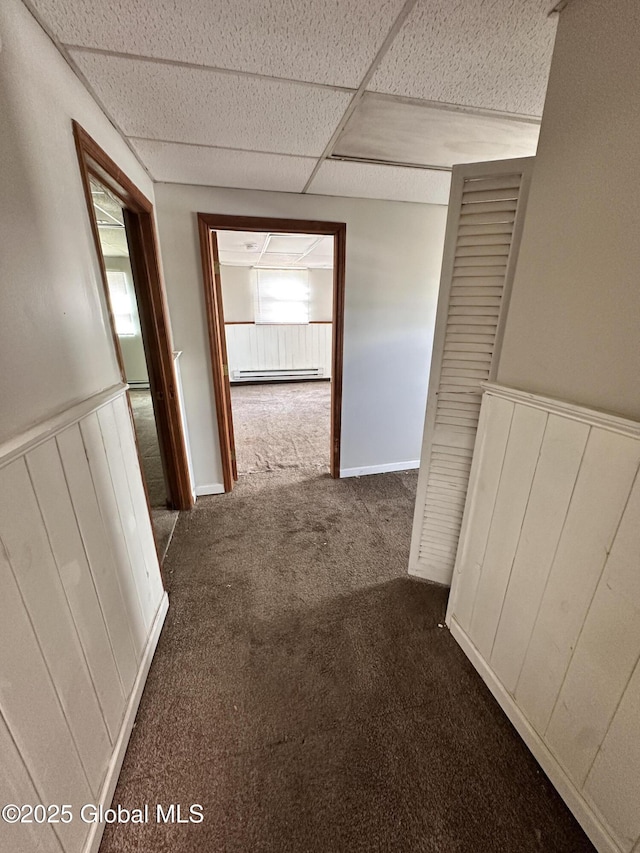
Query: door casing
x=211, y=222
x=152, y=307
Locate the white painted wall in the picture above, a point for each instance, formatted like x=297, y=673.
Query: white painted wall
x=237, y=293
x=394, y=252
x=54, y=323
x=135, y=363
x=238, y=290
x=321, y=295
x=573, y=323
x=79, y=568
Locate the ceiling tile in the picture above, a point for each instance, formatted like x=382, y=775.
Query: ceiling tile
x=290, y=243
x=114, y=242
x=170, y=102
x=322, y=254
x=493, y=54
x=395, y=183
x=321, y=41
x=237, y=241
x=383, y=128
x=281, y=259
x=222, y=167
x=238, y=259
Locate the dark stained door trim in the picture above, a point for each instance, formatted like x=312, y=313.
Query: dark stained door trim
x=207, y=224
x=152, y=307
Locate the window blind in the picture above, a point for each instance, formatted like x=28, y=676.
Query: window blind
x=282, y=296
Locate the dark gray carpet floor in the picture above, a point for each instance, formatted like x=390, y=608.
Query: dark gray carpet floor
x=282, y=425
x=306, y=694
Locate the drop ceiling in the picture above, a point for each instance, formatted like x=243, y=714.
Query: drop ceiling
x=374, y=99
x=110, y=219
x=263, y=250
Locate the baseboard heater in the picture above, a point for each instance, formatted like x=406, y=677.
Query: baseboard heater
x=276, y=374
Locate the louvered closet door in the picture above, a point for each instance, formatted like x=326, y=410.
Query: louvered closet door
x=484, y=223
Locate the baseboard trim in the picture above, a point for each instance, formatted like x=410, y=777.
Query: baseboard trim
x=583, y=812
x=211, y=489
x=387, y=468
x=120, y=747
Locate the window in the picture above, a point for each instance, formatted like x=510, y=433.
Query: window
x=282, y=296
x=121, y=304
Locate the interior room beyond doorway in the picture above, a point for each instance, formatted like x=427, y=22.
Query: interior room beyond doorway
x=277, y=295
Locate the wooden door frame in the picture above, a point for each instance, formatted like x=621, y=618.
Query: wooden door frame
x=208, y=222
x=152, y=308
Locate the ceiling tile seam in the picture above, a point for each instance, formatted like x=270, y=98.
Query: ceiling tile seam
x=195, y=66
x=219, y=187
x=382, y=200
x=83, y=80
x=345, y=158
x=447, y=106
x=353, y=103
x=297, y=192
x=222, y=147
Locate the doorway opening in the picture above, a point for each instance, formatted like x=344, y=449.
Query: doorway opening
x=122, y=223
x=275, y=302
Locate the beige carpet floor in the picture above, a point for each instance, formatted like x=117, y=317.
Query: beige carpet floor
x=282, y=425
x=306, y=694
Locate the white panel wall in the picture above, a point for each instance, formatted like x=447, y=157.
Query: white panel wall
x=271, y=347
x=394, y=252
x=546, y=596
x=81, y=608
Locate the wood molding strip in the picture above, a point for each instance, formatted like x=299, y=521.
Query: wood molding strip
x=215, y=350
x=337, y=359
x=593, y=417
x=56, y=423
x=224, y=222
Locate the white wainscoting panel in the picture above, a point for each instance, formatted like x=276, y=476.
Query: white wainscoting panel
x=279, y=347
x=546, y=596
x=81, y=608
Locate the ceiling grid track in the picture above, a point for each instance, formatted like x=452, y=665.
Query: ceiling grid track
x=197, y=66
x=386, y=44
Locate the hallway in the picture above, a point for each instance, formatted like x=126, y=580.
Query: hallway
x=306, y=694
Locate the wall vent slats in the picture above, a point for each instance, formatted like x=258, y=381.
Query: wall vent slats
x=486, y=210
x=465, y=271
x=476, y=249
